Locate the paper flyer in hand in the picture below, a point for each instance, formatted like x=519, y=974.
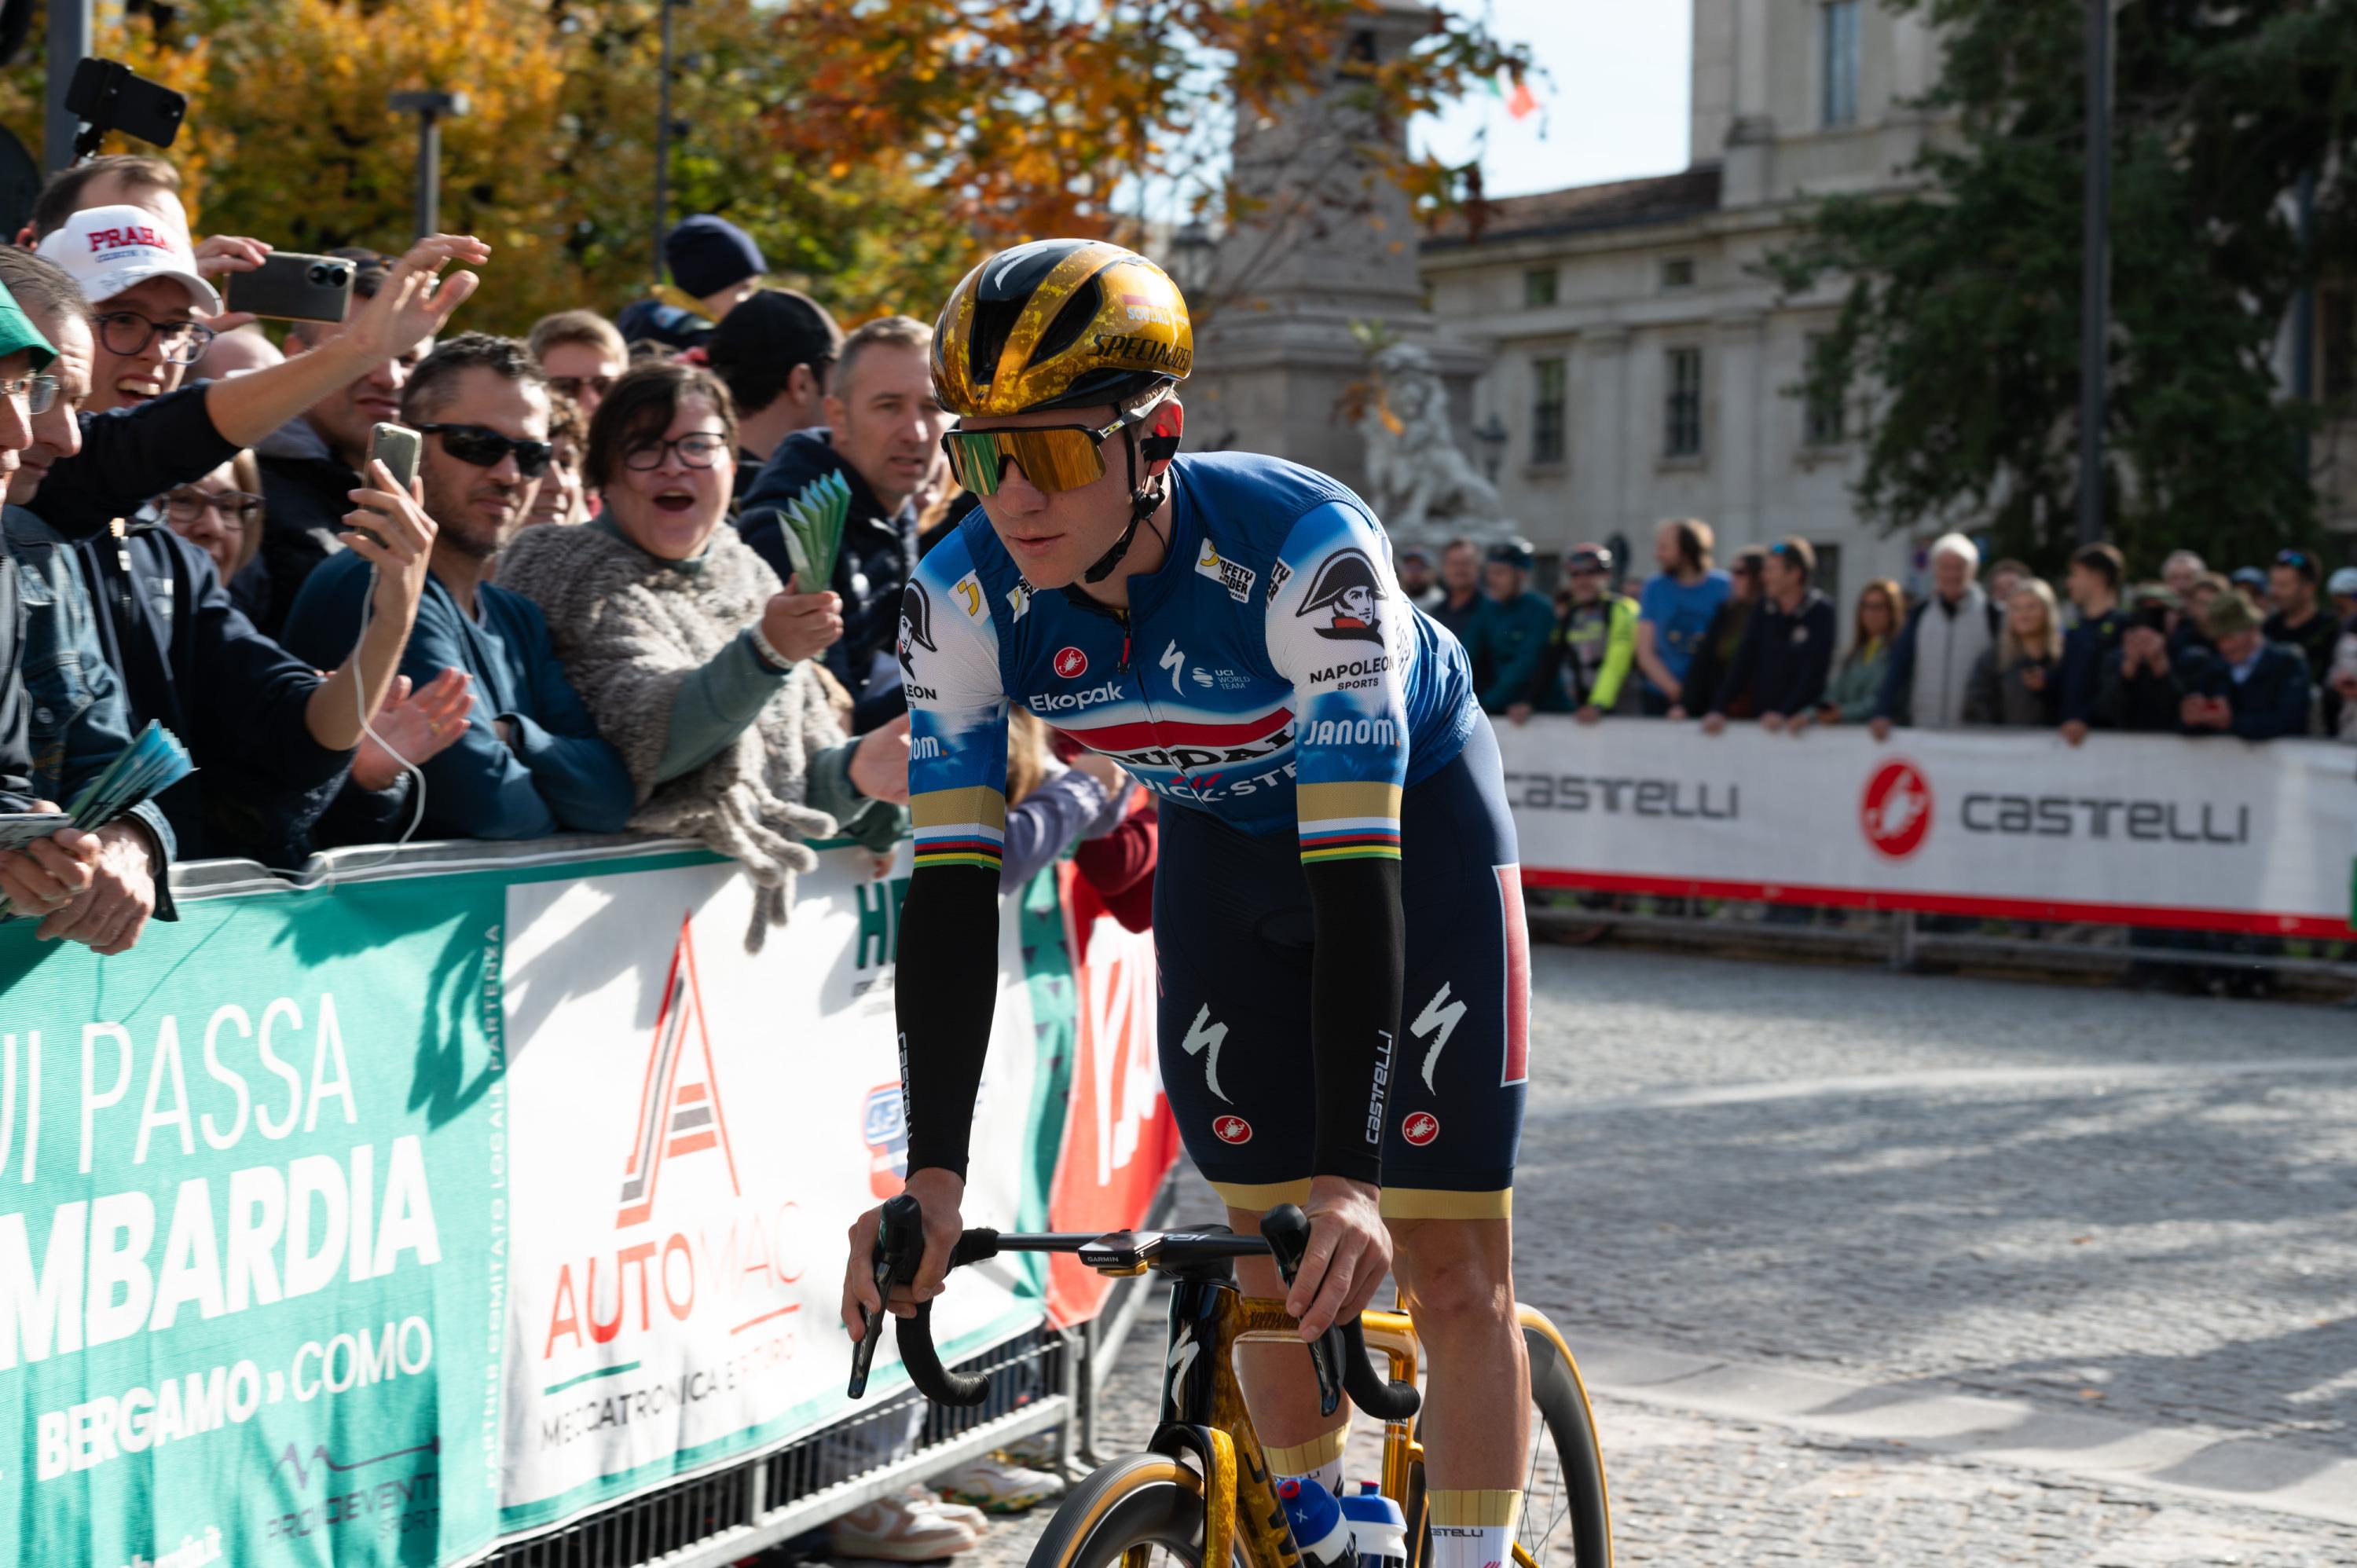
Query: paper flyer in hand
x=145, y=768
x=812, y=523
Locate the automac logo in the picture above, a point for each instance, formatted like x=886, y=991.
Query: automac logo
x=885, y=1126
x=1896, y=814
x=680, y=1113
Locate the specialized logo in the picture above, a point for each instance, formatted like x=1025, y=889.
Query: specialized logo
x=884, y=1124
x=1420, y=1127
x=1182, y=1357
x=1174, y=659
x=1440, y=1014
x=1231, y=1130
x=1072, y=663
x=679, y=1099
x=916, y=626
x=1137, y=353
x=1897, y=812
x=1345, y=593
x=1203, y=1036
x=1236, y=579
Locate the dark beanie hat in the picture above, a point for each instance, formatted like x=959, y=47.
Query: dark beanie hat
x=776, y=328
x=707, y=254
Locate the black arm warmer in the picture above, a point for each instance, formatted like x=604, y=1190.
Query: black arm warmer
x=946, y=989
x=1355, y=982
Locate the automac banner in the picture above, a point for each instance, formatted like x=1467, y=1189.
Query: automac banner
x=2147, y=829
x=375, y=1225
x=253, y=1194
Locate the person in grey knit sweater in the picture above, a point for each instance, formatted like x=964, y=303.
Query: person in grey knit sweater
x=698, y=666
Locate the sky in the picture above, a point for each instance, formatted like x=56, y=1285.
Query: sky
x=1615, y=108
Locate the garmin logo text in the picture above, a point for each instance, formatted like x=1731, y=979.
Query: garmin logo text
x=2071, y=816
x=1633, y=796
x=1063, y=701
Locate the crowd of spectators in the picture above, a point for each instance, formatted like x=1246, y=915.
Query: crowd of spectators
x=2260, y=654
x=582, y=617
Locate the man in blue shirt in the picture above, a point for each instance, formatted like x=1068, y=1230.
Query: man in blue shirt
x=531, y=762
x=1674, y=610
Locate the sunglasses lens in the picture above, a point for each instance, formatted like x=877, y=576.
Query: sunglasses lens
x=532, y=458
x=1054, y=459
x=974, y=460
x=479, y=447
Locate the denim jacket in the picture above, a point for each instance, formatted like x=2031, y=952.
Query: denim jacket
x=78, y=719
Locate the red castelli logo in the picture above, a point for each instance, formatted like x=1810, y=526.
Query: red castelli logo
x=1421, y=1128
x=1231, y=1130
x=1072, y=663
x=1897, y=812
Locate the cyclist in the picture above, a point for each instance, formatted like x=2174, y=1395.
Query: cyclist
x=1337, y=912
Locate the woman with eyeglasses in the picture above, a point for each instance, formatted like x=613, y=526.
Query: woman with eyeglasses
x=699, y=668
x=221, y=515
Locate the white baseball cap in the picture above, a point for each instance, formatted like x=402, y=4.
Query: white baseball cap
x=110, y=249
x=2344, y=581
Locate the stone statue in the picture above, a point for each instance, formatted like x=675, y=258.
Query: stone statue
x=1420, y=483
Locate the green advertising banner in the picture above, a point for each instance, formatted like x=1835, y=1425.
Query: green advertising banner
x=253, y=1234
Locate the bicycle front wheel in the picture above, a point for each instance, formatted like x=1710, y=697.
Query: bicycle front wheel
x=1567, y=1520
x=1143, y=1508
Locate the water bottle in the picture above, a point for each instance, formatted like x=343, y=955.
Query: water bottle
x=1319, y=1531
x=1379, y=1526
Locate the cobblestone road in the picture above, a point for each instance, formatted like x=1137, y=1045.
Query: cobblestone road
x=2075, y=1200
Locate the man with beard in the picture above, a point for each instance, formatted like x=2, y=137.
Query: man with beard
x=531, y=762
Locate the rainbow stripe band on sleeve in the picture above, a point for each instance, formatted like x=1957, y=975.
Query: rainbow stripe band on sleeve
x=959, y=827
x=1348, y=822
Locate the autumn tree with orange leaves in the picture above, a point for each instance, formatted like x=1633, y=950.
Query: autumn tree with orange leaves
x=875, y=151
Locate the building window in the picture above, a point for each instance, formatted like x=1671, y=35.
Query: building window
x=1678, y=272
x=1538, y=286
x=1826, y=425
x=1547, y=403
x=1840, y=22
x=1681, y=422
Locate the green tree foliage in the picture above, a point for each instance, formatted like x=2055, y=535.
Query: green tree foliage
x=1960, y=309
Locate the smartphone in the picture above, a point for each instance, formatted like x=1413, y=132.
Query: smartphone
x=109, y=96
x=396, y=447
x=291, y=286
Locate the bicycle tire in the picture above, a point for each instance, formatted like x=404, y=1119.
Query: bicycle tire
x=1584, y=1515
x=1140, y=1500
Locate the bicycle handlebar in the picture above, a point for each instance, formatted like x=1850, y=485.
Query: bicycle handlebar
x=1285, y=1233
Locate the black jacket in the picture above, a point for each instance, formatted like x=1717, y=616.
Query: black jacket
x=15, y=736
x=879, y=552
x=189, y=660
x=2269, y=704
x=306, y=493
x=1713, y=660
x=128, y=457
x=1780, y=665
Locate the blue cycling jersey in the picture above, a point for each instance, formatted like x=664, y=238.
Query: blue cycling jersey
x=1270, y=673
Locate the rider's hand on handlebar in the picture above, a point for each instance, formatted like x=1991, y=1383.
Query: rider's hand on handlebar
x=1350, y=1252
x=940, y=1195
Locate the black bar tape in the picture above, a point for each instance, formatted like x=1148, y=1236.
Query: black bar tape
x=946, y=989
x=1356, y=978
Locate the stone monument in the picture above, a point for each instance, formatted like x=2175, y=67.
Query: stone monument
x=1418, y=479
x=1325, y=240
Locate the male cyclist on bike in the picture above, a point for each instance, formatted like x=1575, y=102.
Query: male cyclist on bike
x=1337, y=912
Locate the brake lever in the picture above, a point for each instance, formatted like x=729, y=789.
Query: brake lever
x=1286, y=1230
x=896, y=1263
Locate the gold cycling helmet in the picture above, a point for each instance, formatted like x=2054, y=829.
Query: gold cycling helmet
x=1060, y=324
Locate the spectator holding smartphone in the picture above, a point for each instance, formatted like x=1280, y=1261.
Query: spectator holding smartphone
x=2250, y=687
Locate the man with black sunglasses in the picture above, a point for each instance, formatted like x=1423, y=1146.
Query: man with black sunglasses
x=531, y=762
x=2305, y=624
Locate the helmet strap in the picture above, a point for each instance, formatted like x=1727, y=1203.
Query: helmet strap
x=1143, y=503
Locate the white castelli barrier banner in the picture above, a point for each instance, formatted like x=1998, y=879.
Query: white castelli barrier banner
x=2212, y=834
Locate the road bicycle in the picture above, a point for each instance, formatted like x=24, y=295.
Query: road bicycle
x=1201, y=1493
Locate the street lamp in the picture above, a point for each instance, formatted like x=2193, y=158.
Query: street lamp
x=663, y=130
x=1493, y=436
x=431, y=109
x=2095, y=276
x=1193, y=254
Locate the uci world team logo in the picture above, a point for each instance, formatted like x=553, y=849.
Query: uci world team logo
x=884, y=1124
x=680, y=1113
x=1896, y=814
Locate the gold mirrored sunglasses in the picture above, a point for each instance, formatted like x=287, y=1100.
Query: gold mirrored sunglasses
x=1053, y=458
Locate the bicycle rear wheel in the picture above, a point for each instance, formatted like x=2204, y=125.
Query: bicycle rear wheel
x=1566, y=1517
x=1142, y=1507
